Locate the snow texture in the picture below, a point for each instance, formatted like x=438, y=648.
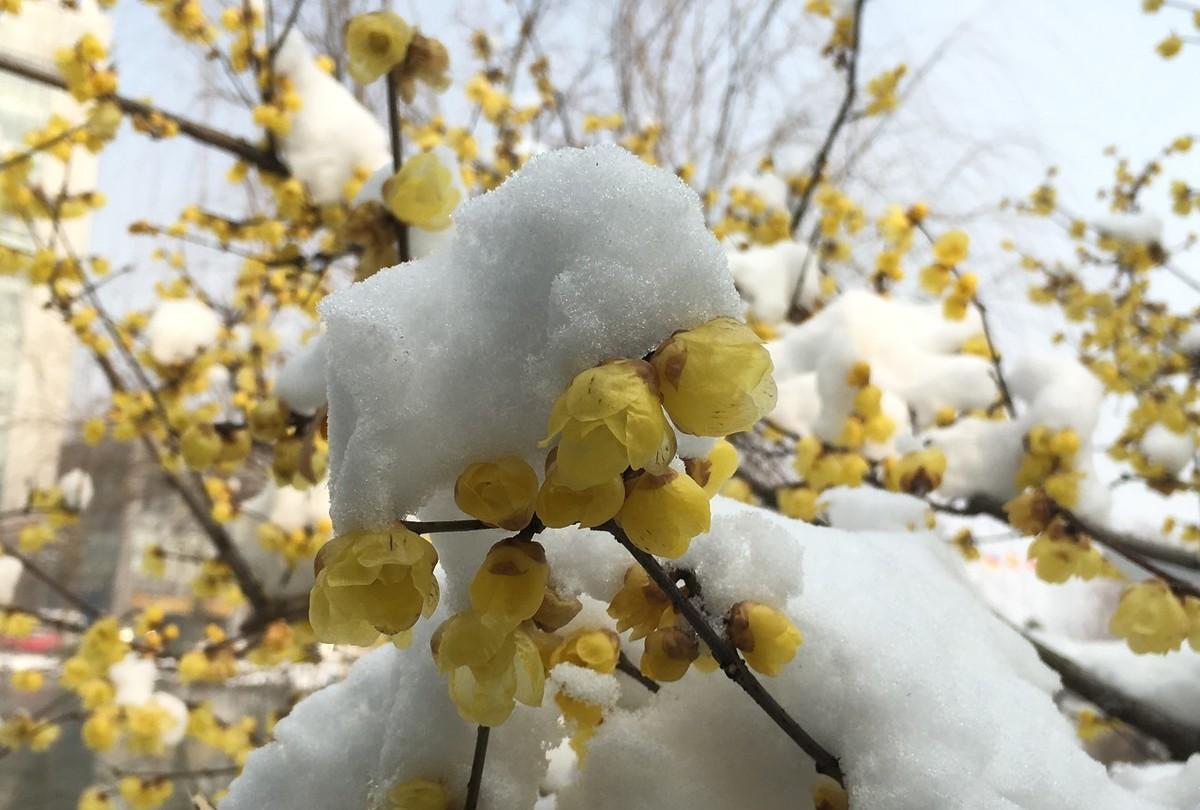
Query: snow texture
x=179, y=329
x=581, y=256
x=301, y=381
x=914, y=727
x=77, y=489
x=391, y=720
x=767, y=277
x=1163, y=446
x=1139, y=227
x=331, y=134
x=861, y=509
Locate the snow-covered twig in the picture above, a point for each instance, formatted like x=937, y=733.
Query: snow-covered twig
x=730, y=662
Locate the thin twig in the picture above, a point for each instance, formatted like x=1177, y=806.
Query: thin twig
x=87, y=608
x=727, y=657
x=839, y=120
x=477, y=763
x=1180, y=739
x=633, y=671
x=397, y=144
x=435, y=526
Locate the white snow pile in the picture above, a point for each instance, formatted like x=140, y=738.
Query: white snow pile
x=1170, y=450
x=767, y=277
x=301, y=381
x=77, y=489
x=983, y=456
x=914, y=727
x=179, y=329
x=864, y=509
x=913, y=353
x=1131, y=227
x=391, y=720
x=293, y=508
x=581, y=256
x=10, y=575
x=331, y=135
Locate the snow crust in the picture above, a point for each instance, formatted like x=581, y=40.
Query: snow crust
x=914, y=726
x=581, y=256
x=179, y=329
x=331, y=134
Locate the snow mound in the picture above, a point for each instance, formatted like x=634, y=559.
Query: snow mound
x=331, y=135
x=391, y=720
x=581, y=256
x=873, y=683
x=179, y=329
x=1138, y=227
x=767, y=277
x=301, y=381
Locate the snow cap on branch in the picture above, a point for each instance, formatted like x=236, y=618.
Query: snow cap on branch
x=582, y=256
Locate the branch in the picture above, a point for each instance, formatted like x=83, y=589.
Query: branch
x=393, y=114
x=238, y=147
x=477, y=762
x=633, y=671
x=85, y=607
x=838, y=122
x=731, y=663
x=434, y=526
x=1180, y=740
x=46, y=619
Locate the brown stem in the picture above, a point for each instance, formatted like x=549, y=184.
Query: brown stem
x=839, y=120
x=393, y=114
x=435, y=526
x=46, y=619
x=477, y=762
x=85, y=607
x=238, y=147
x=727, y=657
x=1180, y=739
x=633, y=671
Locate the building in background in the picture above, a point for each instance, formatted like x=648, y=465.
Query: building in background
x=35, y=346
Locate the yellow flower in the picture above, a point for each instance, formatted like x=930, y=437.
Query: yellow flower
x=418, y=794
x=422, y=193
x=145, y=794
x=827, y=794
x=669, y=651
x=951, y=248
x=765, y=635
x=1169, y=47
x=99, y=731
x=200, y=446
x=715, y=379
x=917, y=473
x=489, y=668
x=1031, y=511
x=94, y=798
x=500, y=493
x=799, y=502
x=1150, y=618
x=427, y=60
x=639, y=605
x=28, y=680
x=510, y=585
x=375, y=43
x=662, y=513
x=370, y=583
x=559, y=505
x=594, y=649
x=712, y=471
x=610, y=419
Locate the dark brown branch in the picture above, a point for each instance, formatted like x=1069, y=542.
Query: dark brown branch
x=76, y=601
x=1180, y=739
x=238, y=147
x=633, y=671
x=477, y=763
x=393, y=114
x=839, y=120
x=436, y=526
x=727, y=657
